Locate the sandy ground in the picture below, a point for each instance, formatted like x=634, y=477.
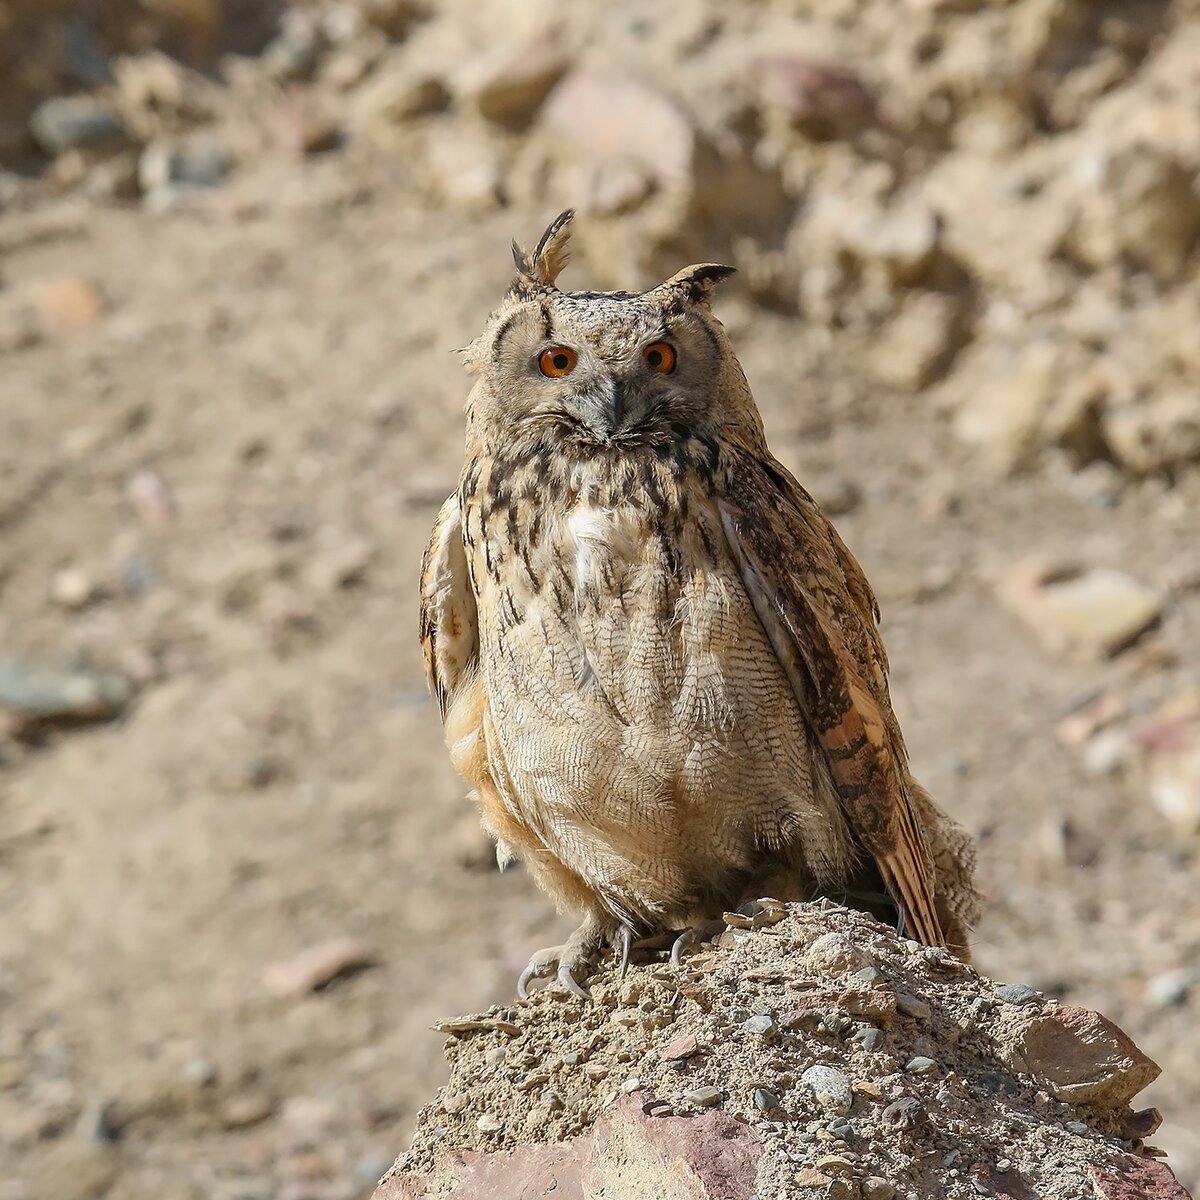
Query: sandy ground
x=242, y=458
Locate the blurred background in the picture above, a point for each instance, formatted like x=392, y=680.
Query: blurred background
x=238, y=243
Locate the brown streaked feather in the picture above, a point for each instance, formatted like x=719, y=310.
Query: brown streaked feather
x=819, y=615
x=449, y=620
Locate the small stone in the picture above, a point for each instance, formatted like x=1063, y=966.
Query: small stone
x=764, y=1100
x=488, y=1123
x=809, y=1177
x=1017, y=993
x=316, y=967
x=630, y=1085
x=72, y=588
x=552, y=1101
x=246, y=1109
x=830, y=1087
x=874, y=1188
x=903, y=1113
x=454, y=1102
x=595, y=1070
x=39, y=698
x=399, y=95
x=199, y=1072
x=843, y=1189
x=510, y=83
x=681, y=1048
x=704, y=1097
x=495, y=1055
x=572, y=1058
x=870, y=1039
x=920, y=1065
x=835, y=954
x=67, y=305
x=1082, y=1057
x=75, y=123
x=913, y=1006
x=1094, y=611
x=1171, y=988
x=761, y=1024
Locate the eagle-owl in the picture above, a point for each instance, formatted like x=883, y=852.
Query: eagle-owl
x=657, y=663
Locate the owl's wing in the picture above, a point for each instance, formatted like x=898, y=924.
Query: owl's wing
x=820, y=616
x=449, y=623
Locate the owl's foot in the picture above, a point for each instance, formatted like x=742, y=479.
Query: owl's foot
x=577, y=953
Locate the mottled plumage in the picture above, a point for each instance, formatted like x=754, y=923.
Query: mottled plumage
x=657, y=663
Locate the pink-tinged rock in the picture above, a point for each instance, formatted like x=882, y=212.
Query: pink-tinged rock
x=681, y=1047
x=1137, y=1179
x=1082, y=1057
x=68, y=305
x=609, y=119
x=627, y=1153
x=316, y=967
x=821, y=97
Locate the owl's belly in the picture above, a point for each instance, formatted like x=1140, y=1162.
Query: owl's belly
x=640, y=726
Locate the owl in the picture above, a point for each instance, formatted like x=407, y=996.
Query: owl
x=658, y=665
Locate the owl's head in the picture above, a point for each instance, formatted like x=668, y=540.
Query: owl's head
x=611, y=369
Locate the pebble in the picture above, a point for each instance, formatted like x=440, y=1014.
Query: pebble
x=38, y=697
x=835, y=954
x=764, y=1100
x=316, y=967
x=495, y=1055
x=67, y=305
x=870, y=1039
x=830, y=1087
x=630, y=1085
x=510, y=83
x=761, y=1024
x=73, y=589
x=1088, y=611
x=1171, y=988
x=488, y=1123
x=913, y=1006
x=902, y=1113
x=1017, y=993
x=75, y=123
x=874, y=1188
x=704, y=1097
x=246, y=1109
x=681, y=1048
x=920, y=1065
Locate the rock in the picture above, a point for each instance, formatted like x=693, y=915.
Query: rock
x=1154, y=434
x=921, y=1065
x=681, y=1048
x=40, y=698
x=830, y=1087
x=150, y=498
x=247, y=1108
x=823, y=99
x=68, y=305
x=1138, y=203
x=1136, y=1179
x=704, y=1097
x=709, y=1156
x=76, y=123
x=913, y=1006
x=1167, y=745
x=917, y=345
x=317, y=967
x=73, y=589
x=509, y=84
x=397, y=92
x=1093, y=611
x=874, y=1188
x=204, y=162
x=835, y=954
x=610, y=119
x=1017, y=993
x=1082, y=1057
x=1171, y=988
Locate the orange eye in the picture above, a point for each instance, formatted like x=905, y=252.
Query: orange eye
x=557, y=361
x=660, y=357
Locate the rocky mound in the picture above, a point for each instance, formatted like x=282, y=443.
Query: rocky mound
x=809, y=1051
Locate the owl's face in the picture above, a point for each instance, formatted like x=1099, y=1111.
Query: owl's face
x=603, y=368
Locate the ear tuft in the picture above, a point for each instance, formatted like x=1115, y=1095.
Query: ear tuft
x=697, y=281
x=545, y=263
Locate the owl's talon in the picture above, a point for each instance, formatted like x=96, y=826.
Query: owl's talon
x=625, y=940
x=685, y=941
x=561, y=962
